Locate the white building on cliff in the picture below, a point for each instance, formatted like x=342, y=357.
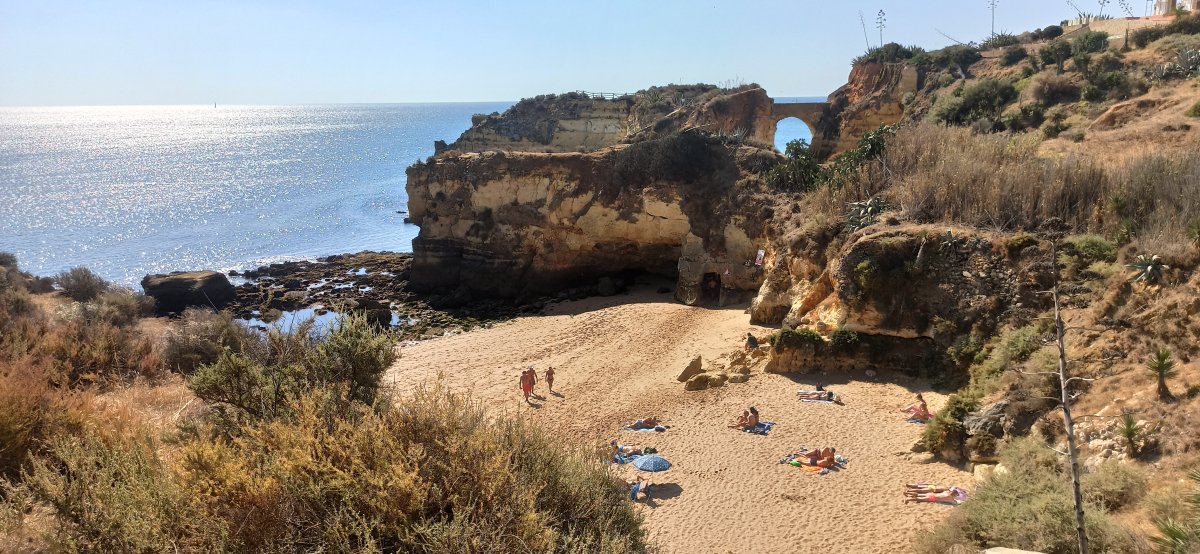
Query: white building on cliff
x=1166, y=7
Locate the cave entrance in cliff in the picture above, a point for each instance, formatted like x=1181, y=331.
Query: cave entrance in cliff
x=710, y=289
x=789, y=129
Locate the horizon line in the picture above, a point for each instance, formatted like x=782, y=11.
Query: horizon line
x=284, y=105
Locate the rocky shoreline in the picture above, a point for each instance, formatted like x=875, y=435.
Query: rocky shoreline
x=372, y=283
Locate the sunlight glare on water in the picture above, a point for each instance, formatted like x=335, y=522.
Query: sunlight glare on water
x=129, y=190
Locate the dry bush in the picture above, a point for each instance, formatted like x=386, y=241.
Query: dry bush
x=91, y=352
x=120, y=497
x=1049, y=90
x=118, y=306
x=33, y=411
x=948, y=175
x=81, y=284
x=200, y=336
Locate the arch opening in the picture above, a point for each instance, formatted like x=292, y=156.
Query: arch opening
x=789, y=129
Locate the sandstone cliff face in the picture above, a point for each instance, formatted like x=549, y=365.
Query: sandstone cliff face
x=510, y=224
x=872, y=96
x=565, y=123
x=910, y=289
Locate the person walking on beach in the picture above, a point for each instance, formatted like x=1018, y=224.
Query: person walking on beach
x=550, y=378
x=532, y=380
x=526, y=385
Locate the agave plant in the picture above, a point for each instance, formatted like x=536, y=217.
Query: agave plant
x=864, y=213
x=1188, y=61
x=1181, y=537
x=1130, y=431
x=1163, y=367
x=1150, y=269
x=951, y=242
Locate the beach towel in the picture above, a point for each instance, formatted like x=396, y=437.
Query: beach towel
x=620, y=459
x=794, y=460
x=658, y=429
x=762, y=428
x=916, y=421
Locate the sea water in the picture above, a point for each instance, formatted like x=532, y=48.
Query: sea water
x=128, y=191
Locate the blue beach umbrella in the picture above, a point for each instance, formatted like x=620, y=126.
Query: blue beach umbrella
x=652, y=462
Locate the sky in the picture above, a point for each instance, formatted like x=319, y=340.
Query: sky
x=138, y=52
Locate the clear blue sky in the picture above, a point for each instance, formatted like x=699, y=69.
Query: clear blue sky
x=296, y=51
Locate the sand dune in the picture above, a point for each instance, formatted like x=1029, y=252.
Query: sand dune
x=617, y=359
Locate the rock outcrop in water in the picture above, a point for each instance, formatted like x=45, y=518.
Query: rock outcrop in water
x=175, y=292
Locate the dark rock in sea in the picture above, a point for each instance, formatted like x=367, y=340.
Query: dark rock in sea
x=177, y=291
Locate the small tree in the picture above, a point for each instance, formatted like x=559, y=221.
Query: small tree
x=1057, y=53
x=81, y=284
x=1163, y=367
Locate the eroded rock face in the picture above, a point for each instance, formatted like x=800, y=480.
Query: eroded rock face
x=175, y=292
x=906, y=292
x=508, y=224
x=872, y=96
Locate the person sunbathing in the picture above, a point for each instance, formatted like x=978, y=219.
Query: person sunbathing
x=740, y=422
x=821, y=395
x=923, y=488
x=640, y=485
x=647, y=423
x=953, y=495
x=919, y=411
x=623, y=450
x=821, y=457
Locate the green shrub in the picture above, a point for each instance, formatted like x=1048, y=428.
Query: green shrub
x=889, y=53
x=1049, y=90
x=1028, y=508
x=1092, y=248
x=1193, y=111
x=985, y=98
x=200, y=335
x=844, y=339
x=1113, y=485
x=1052, y=32
x=1056, y=53
x=1188, y=24
x=864, y=274
x=789, y=338
x=1104, y=269
x=1013, y=55
x=801, y=172
x=349, y=362
x=1000, y=40
x=1143, y=37
x=81, y=284
x=945, y=435
x=8, y=260
x=1090, y=42
x=1179, y=531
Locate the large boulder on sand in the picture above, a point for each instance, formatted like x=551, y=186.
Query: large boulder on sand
x=739, y=378
x=177, y=291
x=697, y=382
x=694, y=368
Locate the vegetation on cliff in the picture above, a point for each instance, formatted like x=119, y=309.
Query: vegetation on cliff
x=298, y=446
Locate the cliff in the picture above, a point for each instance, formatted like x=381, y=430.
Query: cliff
x=561, y=191
x=513, y=224
x=872, y=96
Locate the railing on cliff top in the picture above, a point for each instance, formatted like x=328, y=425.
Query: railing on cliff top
x=603, y=95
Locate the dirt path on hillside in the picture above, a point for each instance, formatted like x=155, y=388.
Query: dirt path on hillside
x=617, y=359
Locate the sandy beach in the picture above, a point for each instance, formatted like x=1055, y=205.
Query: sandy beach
x=617, y=358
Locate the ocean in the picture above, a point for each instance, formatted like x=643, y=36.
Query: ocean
x=127, y=191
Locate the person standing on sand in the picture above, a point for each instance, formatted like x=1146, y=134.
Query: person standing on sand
x=532, y=379
x=550, y=378
x=526, y=385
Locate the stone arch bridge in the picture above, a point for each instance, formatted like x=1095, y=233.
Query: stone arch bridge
x=813, y=114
